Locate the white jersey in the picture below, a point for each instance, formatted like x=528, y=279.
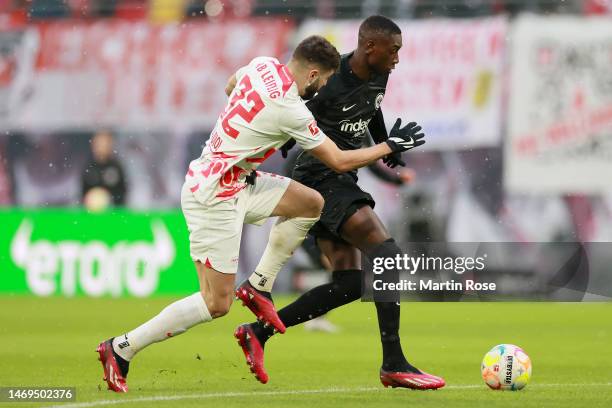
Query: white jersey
x=263, y=111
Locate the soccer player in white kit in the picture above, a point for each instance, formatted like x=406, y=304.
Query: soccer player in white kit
x=223, y=190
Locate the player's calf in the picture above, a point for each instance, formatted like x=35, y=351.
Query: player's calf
x=344, y=288
x=216, y=288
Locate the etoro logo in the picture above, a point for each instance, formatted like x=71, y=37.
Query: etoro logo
x=94, y=266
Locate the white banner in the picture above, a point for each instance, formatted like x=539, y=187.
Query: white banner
x=127, y=74
x=449, y=78
x=560, y=119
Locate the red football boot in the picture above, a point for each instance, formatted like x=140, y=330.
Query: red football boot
x=422, y=381
x=112, y=373
x=261, y=306
x=253, y=351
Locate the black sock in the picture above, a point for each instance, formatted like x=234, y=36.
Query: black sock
x=389, y=315
x=344, y=288
x=388, y=323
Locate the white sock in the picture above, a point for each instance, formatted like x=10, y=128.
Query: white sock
x=285, y=237
x=175, y=319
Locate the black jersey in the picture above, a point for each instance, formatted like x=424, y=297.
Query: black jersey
x=108, y=175
x=345, y=108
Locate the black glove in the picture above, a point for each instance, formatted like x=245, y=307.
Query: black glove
x=286, y=147
x=393, y=160
x=405, y=138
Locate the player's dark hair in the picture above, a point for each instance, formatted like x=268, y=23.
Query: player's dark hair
x=317, y=50
x=377, y=24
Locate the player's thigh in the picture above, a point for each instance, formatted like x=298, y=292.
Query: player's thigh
x=217, y=289
x=364, y=229
x=274, y=195
x=257, y=202
x=215, y=230
x=341, y=255
x=299, y=201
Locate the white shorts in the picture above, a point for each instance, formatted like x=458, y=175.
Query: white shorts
x=215, y=229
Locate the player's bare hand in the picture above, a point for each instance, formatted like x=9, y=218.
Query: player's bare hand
x=407, y=175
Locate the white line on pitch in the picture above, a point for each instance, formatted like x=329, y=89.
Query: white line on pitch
x=213, y=395
x=277, y=393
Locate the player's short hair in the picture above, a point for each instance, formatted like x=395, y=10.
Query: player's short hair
x=317, y=50
x=375, y=25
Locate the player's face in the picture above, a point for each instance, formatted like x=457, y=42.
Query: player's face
x=384, y=53
x=102, y=146
x=316, y=80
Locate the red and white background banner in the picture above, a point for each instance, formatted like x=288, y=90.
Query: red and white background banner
x=449, y=78
x=126, y=74
x=560, y=118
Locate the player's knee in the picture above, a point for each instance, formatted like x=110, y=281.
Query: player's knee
x=218, y=305
x=369, y=236
x=314, y=204
x=217, y=310
x=364, y=229
x=386, y=249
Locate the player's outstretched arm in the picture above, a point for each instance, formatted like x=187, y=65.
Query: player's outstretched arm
x=342, y=161
x=400, y=140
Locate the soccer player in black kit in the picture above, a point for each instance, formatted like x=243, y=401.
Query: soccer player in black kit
x=345, y=109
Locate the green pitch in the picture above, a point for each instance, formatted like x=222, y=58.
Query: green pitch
x=51, y=342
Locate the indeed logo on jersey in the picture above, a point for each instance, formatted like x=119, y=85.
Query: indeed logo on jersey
x=358, y=128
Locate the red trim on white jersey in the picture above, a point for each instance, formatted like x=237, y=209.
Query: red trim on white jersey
x=223, y=155
x=285, y=76
x=267, y=154
x=231, y=192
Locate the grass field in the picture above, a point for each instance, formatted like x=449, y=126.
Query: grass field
x=51, y=342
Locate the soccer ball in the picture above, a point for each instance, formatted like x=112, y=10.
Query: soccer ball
x=506, y=367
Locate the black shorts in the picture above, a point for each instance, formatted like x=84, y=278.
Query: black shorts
x=343, y=198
